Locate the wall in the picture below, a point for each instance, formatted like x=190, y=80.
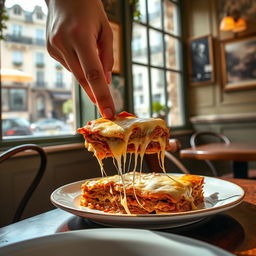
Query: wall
x=210, y=107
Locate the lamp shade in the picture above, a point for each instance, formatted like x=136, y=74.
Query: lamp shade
x=227, y=23
x=240, y=25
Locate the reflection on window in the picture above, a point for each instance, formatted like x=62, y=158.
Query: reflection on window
x=157, y=77
x=156, y=48
x=141, y=91
x=35, y=101
x=175, y=116
x=171, y=24
x=154, y=13
x=139, y=44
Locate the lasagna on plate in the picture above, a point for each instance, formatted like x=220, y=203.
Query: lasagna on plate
x=135, y=192
x=143, y=193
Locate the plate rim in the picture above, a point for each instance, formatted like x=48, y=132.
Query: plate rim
x=83, y=232
x=199, y=212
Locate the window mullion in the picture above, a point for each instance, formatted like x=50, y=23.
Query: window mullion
x=164, y=53
x=149, y=60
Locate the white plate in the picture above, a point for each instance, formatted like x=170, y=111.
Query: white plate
x=125, y=242
x=220, y=195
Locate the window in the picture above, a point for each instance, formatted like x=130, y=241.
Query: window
x=17, y=10
x=40, y=78
x=31, y=94
x=14, y=99
x=16, y=30
x=40, y=106
x=40, y=36
x=156, y=67
x=39, y=59
x=59, y=80
x=39, y=15
x=17, y=58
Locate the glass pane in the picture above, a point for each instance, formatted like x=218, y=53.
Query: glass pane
x=141, y=6
x=139, y=44
x=171, y=17
x=172, y=48
x=174, y=104
x=141, y=91
x=36, y=93
x=156, y=48
x=158, y=92
x=155, y=13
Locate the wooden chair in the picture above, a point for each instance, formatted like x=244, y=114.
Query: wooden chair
x=43, y=160
x=194, y=141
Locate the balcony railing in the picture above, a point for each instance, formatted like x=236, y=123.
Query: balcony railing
x=59, y=85
x=40, y=64
x=18, y=39
x=24, y=40
x=40, y=84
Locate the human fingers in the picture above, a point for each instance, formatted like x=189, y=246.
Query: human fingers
x=105, y=47
x=59, y=48
x=72, y=61
x=86, y=50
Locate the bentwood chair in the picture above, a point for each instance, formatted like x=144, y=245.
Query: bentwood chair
x=41, y=170
x=195, y=141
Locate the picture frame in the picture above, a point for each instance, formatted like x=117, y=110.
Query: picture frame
x=200, y=59
x=116, y=29
x=239, y=63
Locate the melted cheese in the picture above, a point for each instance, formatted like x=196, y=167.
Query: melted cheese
x=120, y=125
x=150, y=183
x=122, y=128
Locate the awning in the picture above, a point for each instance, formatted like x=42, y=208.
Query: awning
x=15, y=75
x=61, y=95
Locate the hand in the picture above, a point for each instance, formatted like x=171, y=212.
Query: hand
x=80, y=38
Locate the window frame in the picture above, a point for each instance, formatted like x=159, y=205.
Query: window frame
x=79, y=100
x=149, y=66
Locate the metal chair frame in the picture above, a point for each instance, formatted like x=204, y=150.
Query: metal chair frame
x=9, y=153
x=193, y=144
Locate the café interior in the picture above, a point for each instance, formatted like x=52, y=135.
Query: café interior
x=191, y=63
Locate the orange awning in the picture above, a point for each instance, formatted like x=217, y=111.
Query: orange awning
x=14, y=75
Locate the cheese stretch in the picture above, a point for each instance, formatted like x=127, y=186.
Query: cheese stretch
x=118, y=132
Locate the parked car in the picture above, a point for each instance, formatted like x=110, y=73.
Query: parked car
x=48, y=124
x=16, y=126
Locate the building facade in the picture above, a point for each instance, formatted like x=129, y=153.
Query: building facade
x=48, y=84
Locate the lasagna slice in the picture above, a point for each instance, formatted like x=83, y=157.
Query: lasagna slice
x=143, y=193
x=126, y=133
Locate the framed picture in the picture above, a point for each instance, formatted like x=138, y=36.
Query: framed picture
x=116, y=28
x=239, y=63
x=201, y=66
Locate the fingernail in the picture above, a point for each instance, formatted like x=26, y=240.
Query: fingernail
x=109, y=77
x=108, y=113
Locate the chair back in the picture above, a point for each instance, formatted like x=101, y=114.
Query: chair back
x=25, y=199
x=194, y=142
x=195, y=137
